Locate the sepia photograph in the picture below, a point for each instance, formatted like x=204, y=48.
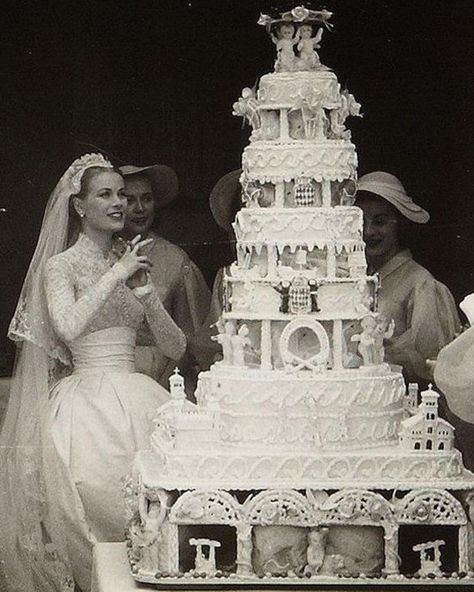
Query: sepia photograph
x=236, y=295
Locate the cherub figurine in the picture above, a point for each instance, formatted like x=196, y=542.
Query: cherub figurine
x=382, y=332
x=309, y=59
x=224, y=338
x=252, y=193
x=246, y=107
x=239, y=343
x=367, y=340
x=285, y=40
x=349, y=106
x=151, y=537
x=362, y=299
x=316, y=550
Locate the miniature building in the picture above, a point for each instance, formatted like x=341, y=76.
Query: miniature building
x=202, y=563
x=426, y=430
x=430, y=557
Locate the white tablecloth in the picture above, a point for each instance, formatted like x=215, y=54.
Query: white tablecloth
x=110, y=570
x=110, y=573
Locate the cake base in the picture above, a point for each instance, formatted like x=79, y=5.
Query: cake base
x=202, y=532
x=234, y=469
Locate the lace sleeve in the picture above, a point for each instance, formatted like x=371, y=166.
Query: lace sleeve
x=169, y=338
x=70, y=317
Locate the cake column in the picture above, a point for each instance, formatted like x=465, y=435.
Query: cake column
x=331, y=260
x=266, y=345
x=391, y=551
x=271, y=260
x=284, y=128
x=172, y=553
x=337, y=343
x=244, y=550
x=279, y=194
x=463, y=548
x=326, y=193
x=284, y=137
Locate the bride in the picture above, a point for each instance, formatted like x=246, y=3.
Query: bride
x=78, y=411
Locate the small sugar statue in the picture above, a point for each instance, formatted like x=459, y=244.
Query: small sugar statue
x=316, y=550
x=247, y=107
x=295, y=28
x=371, y=339
x=308, y=58
x=224, y=338
x=366, y=340
x=383, y=331
x=240, y=342
x=285, y=40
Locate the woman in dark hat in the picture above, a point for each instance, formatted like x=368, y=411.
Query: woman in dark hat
x=423, y=309
x=179, y=282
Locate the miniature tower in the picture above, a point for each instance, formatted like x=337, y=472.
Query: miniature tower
x=178, y=394
x=425, y=430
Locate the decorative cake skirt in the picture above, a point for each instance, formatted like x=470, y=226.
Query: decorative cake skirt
x=99, y=417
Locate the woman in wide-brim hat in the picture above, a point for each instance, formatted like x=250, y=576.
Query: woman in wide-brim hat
x=423, y=308
x=178, y=280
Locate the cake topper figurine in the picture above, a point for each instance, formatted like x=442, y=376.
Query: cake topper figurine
x=285, y=41
x=308, y=58
x=295, y=28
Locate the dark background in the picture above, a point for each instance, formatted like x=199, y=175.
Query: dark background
x=149, y=81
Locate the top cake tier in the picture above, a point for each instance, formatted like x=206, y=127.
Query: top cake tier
x=291, y=106
x=285, y=90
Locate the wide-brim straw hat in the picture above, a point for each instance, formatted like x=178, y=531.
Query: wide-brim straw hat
x=391, y=189
x=164, y=182
x=225, y=199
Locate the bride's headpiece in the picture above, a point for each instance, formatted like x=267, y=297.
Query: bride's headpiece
x=77, y=168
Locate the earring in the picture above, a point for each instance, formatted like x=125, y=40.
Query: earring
x=81, y=214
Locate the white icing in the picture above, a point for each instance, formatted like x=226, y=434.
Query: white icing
x=280, y=413
x=331, y=160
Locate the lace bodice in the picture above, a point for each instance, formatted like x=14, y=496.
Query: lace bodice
x=86, y=292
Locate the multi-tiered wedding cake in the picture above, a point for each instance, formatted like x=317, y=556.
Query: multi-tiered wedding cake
x=303, y=441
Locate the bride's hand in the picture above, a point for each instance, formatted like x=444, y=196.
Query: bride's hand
x=134, y=264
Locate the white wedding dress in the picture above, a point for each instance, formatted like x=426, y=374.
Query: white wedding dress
x=101, y=414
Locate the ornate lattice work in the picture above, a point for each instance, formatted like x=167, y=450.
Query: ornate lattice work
x=278, y=507
x=206, y=507
x=358, y=506
x=430, y=506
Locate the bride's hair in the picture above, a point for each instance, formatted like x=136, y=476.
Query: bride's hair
x=74, y=218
